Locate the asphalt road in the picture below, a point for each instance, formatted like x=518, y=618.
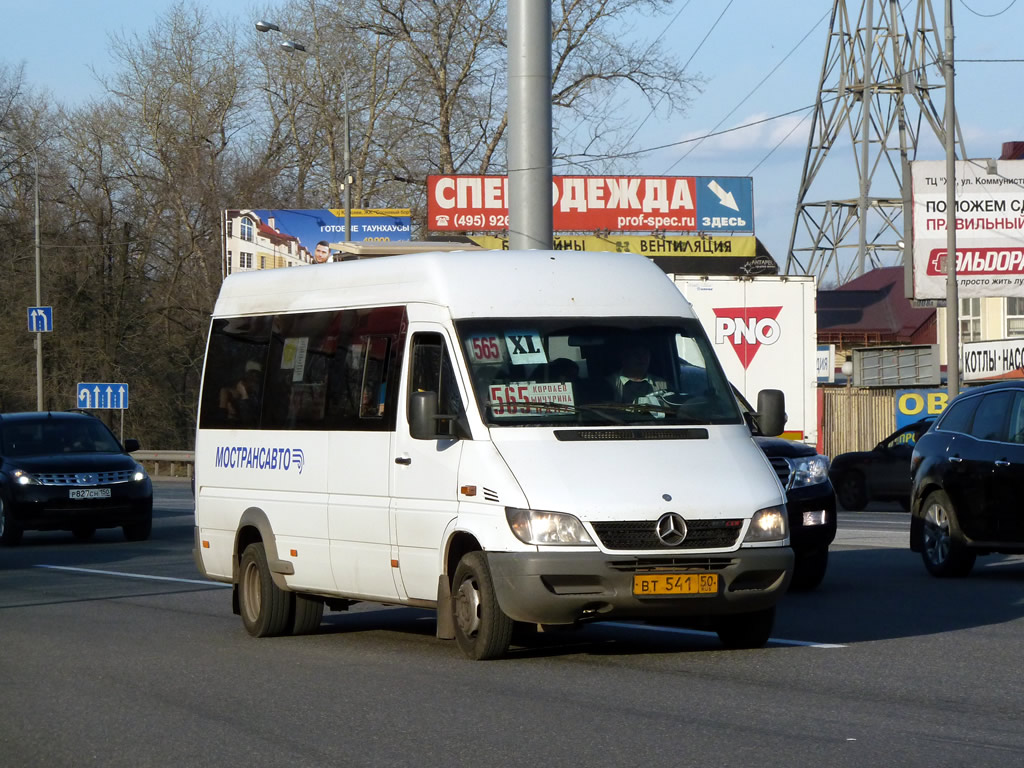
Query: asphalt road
x=118, y=654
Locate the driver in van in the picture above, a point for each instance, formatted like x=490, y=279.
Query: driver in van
x=634, y=380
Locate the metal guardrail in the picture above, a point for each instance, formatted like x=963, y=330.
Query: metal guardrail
x=164, y=464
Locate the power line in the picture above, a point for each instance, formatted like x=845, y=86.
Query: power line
x=988, y=15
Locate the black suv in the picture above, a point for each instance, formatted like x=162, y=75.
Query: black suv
x=810, y=500
x=66, y=471
x=968, y=474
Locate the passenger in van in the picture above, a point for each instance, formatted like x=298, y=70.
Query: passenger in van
x=241, y=401
x=633, y=379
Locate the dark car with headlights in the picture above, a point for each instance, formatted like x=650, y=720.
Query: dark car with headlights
x=881, y=474
x=968, y=477
x=66, y=471
x=810, y=501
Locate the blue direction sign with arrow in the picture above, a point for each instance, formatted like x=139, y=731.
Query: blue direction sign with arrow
x=105, y=395
x=40, y=319
x=725, y=204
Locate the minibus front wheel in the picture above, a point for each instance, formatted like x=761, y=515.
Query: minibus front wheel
x=482, y=630
x=264, y=607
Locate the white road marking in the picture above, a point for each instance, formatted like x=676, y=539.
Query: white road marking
x=97, y=571
x=702, y=633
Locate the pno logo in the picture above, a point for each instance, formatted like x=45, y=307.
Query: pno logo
x=747, y=328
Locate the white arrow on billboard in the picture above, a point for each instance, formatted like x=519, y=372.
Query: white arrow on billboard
x=84, y=395
x=109, y=390
x=96, y=391
x=725, y=198
x=121, y=403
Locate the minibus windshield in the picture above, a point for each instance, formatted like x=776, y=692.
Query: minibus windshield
x=595, y=372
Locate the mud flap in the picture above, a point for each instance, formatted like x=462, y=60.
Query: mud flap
x=445, y=616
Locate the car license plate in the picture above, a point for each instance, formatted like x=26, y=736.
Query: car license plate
x=90, y=493
x=675, y=584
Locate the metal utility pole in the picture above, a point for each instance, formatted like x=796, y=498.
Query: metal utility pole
x=952, y=299
x=874, y=96
x=39, y=300
x=292, y=46
x=529, y=125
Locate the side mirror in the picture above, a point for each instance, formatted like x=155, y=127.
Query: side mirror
x=424, y=418
x=423, y=415
x=771, y=411
x=131, y=445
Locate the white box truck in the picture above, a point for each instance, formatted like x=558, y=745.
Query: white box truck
x=764, y=330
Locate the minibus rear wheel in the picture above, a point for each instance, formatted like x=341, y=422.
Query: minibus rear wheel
x=482, y=630
x=264, y=607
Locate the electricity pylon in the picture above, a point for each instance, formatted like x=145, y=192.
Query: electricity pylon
x=874, y=100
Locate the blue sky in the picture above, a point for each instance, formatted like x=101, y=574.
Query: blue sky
x=59, y=40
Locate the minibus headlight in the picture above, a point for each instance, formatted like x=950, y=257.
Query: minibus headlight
x=21, y=477
x=768, y=524
x=809, y=470
x=547, y=528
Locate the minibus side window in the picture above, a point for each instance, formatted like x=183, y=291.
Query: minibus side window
x=233, y=382
x=432, y=371
x=303, y=350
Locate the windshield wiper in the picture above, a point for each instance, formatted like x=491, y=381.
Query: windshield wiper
x=598, y=409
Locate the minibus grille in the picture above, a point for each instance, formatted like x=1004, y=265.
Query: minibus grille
x=689, y=562
x=781, y=467
x=643, y=534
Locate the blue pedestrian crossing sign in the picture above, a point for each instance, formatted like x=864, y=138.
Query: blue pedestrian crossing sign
x=106, y=395
x=40, y=319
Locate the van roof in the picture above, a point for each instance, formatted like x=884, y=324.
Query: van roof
x=469, y=283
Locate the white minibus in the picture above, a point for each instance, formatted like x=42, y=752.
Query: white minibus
x=542, y=437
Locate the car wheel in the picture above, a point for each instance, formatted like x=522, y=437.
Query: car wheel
x=746, y=630
x=943, y=549
x=809, y=569
x=264, y=607
x=482, y=630
x=83, y=532
x=852, y=492
x=139, y=531
x=309, y=611
x=10, y=531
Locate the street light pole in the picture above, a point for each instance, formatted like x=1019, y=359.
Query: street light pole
x=290, y=46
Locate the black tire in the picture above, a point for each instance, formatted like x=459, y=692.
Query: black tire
x=852, y=491
x=265, y=608
x=139, y=531
x=746, y=630
x=306, y=614
x=83, y=532
x=943, y=550
x=482, y=630
x=10, y=531
x=809, y=569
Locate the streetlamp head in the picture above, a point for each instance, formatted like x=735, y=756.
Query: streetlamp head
x=266, y=26
x=291, y=45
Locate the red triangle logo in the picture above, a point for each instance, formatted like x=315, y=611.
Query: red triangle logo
x=747, y=328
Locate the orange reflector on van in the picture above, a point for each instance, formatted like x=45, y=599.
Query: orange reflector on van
x=394, y=563
x=295, y=553
x=206, y=544
x=468, y=490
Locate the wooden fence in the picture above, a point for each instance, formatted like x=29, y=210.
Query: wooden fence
x=855, y=419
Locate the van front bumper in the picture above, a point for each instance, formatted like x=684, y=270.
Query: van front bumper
x=564, y=588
